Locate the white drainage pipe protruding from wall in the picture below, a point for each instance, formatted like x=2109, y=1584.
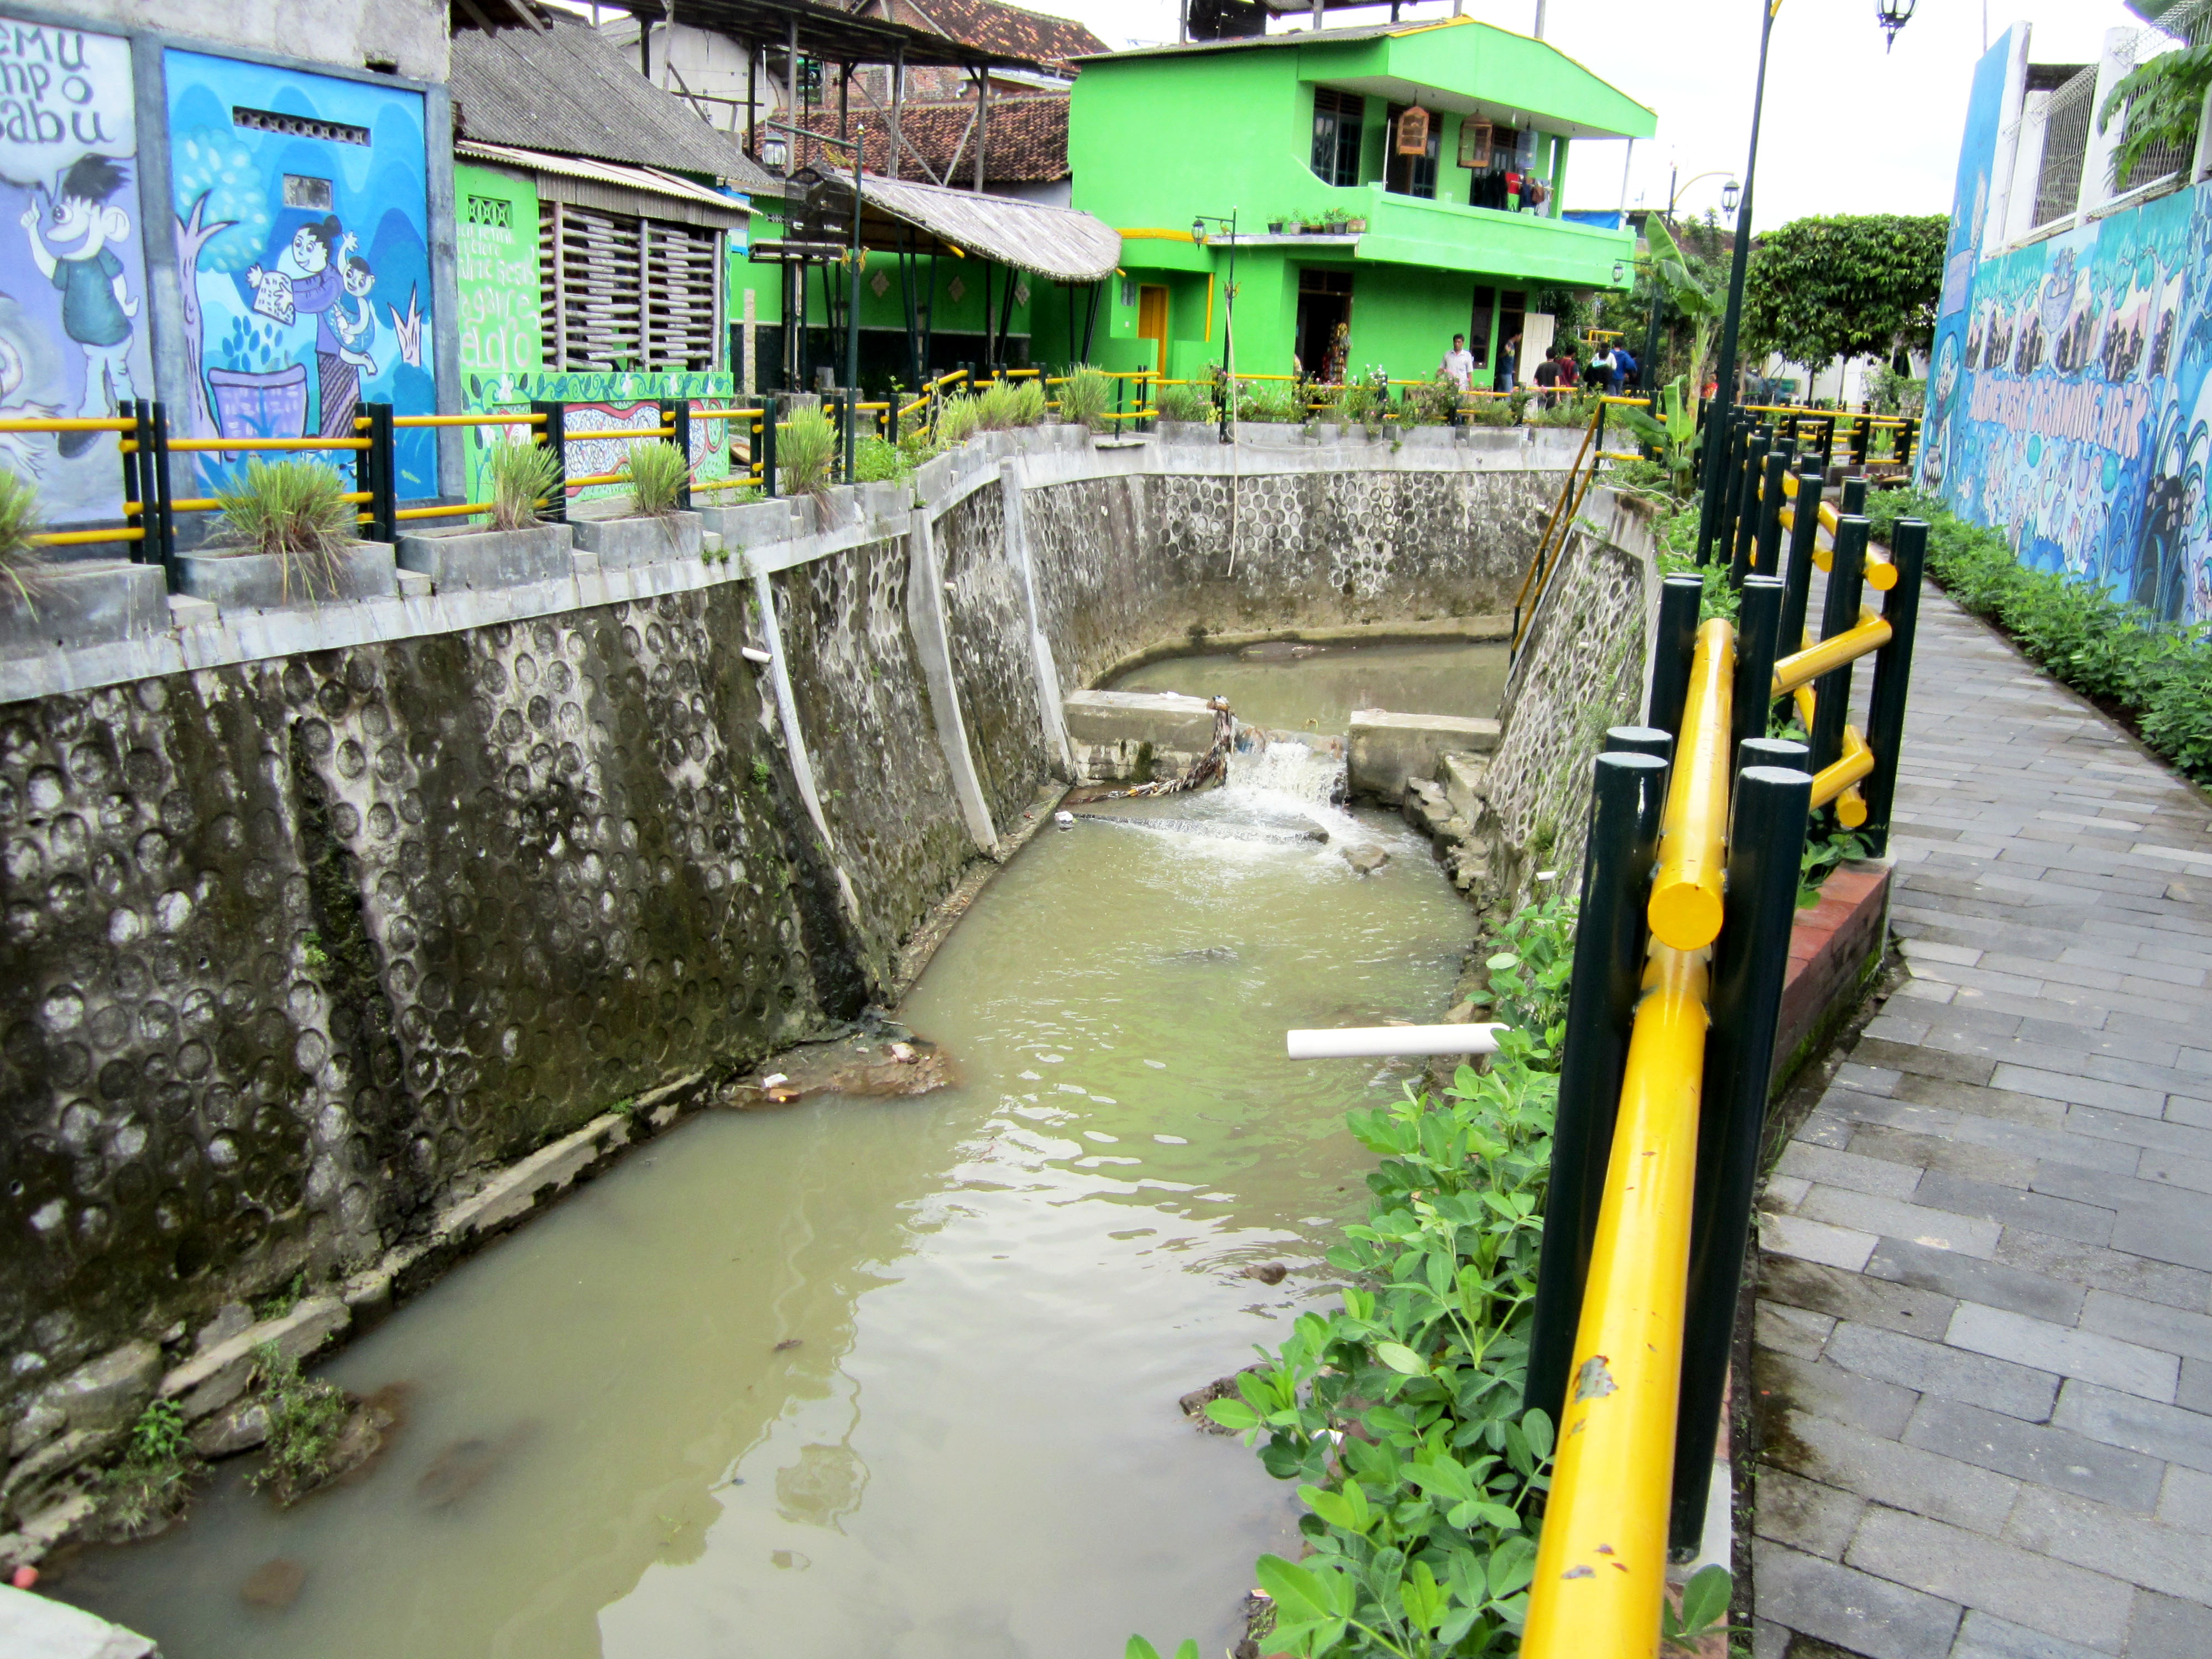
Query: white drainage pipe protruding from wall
x=1368, y=1042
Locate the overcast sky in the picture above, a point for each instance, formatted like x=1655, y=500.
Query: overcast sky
x=1846, y=131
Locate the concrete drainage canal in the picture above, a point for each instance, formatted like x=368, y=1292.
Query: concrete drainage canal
x=859, y=1375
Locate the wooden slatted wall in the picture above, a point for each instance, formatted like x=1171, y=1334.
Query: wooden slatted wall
x=620, y=293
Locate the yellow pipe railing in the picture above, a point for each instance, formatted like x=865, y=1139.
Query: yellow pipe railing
x=1803, y=667
x=83, y=537
x=1601, y=1556
x=1686, y=894
x=206, y=445
x=1879, y=572
x=1837, y=783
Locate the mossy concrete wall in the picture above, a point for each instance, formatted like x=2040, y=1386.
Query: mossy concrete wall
x=312, y=921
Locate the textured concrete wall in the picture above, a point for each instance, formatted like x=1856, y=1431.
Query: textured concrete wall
x=311, y=920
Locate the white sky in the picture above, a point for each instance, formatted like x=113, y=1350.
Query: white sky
x=1846, y=130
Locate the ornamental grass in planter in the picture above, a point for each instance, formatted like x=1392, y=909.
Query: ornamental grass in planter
x=294, y=513
x=21, y=558
x=523, y=477
x=656, y=472
x=520, y=480
x=1084, y=395
x=806, y=452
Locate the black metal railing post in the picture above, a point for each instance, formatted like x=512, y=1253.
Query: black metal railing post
x=1758, y=628
x=158, y=459
x=1680, y=599
x=676, y=419
x=1628, y=792
x=1827, y=445
x=555, y=432
x=1728, y=487
x=1893, y=678
x=1640, y=740
x=1804, y=541
x=1862, y=435
x=376, y=473
x=137, y=450
x=1751, y=959
x=1747, y=512
x=1767, y=559
x=1854, y=497
x=1831, y=692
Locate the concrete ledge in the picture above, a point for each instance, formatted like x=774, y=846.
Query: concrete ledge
x=35, y=1627
x=1830, y=946
x=1388, y=751
x=85, y=602
x=470, y=558
x=259, y=582
x=621, y=543
x=1134, y=736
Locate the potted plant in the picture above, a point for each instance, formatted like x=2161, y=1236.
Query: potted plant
x=1275, y=225
x=289, y=537
x=650, y=526
x=1084, y=397
x=520, y=479
x=45, y=603
x=1354, y=226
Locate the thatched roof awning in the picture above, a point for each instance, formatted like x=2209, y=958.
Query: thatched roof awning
x=1059, y=242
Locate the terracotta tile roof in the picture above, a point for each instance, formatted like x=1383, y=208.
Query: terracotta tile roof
x=997, y=27
x=1026, y=144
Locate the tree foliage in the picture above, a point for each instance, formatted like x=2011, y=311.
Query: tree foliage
x=2163, y=101
x=1852, y=286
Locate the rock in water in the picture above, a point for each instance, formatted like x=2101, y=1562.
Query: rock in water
x=1365, y=858
x=1271, y=1273
x=274, y=1585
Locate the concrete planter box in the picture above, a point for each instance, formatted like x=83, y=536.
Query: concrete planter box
x=87, y=602
x=258, y=581
x=460, y=559
x=620, y=542
x=754, y=524
x=1388, y=750
x=1190, y=432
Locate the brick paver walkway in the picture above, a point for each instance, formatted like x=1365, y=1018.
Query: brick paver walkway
x=1984, y=1360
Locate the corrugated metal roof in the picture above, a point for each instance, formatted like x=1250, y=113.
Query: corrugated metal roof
x=1327, y=36
x=566, y=91
x=651, y=181
x=1049, y=241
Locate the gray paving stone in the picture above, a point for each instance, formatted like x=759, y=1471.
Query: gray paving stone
x=1806, y=1515
x=1780, y=1383
x=1981, y=1100
x=2011, y=1208
x=2079, y=1090
x=2105, y=1269
x=2165, y=1628
x=1850, y=1171
x=1889, y=1471
x=2156, y=1133
x=1910, y=1363
x=2036, y=1453
x=1891, y=1217
x=2022, y=1587
x=2185, y=1500
x=1994, y=1283
x=1790, y=1330
x=2137, y=1548
x=1841, y=1294
x=2042, y=1345
x=1928, y=1151
x=2195, y=1389
x=1903, y=1057
x=1858, y=1612
x=2174, y=1433
x=1985, y=1636
x=2149, y=1324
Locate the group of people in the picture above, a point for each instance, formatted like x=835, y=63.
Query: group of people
x=1610, y=368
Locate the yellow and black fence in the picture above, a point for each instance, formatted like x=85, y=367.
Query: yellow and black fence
x=1690, y=877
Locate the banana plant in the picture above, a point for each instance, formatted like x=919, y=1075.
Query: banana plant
x=1672, y=430
x=1673, y=434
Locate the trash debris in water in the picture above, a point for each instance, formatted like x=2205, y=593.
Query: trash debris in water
x=1210, y=768
x=1065, y=820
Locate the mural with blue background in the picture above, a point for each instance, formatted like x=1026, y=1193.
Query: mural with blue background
x=302, y=247
x=2068, y=402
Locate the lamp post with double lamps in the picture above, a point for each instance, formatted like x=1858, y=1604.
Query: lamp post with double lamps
x=1198, y=234
x=1891, y=15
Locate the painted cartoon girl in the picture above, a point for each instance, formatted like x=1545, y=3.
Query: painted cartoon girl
x=318, y=249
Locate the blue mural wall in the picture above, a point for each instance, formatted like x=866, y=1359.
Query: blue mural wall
x=2068, y=402
x=73, y=313
x=302, y=247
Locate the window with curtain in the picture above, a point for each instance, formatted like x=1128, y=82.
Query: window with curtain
x=1337, y=118
x=1410, y=175
x=620, y=293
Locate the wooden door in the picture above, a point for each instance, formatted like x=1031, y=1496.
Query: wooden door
x=1152, y=323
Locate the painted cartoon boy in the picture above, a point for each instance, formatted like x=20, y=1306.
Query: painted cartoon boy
x=358, y=331
x=96, y=310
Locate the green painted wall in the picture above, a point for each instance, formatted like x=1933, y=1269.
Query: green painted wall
x=1154, y=140
x=496, y=249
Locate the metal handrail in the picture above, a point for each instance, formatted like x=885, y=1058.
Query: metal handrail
x=1686, y=893
x=1803, y=667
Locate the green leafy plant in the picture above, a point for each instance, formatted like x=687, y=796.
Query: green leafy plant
x=875, y=460
x=1084, y=397
x=1820, y=860
x=1672, y=436
x=998, y=408
x=153, y=1483
x=1274, y=402
x=1531, y=957
x=2162, y=100
x=1682, y=288
x=1140, y=1648
x=1433, y=402
x=958, y=420
x=307, y=1416
x=1185, y=403
x=1028, y=402
x=520, y=476
x=1703, y=1612
x=657, y=472
x=295, y=512
x=1849, y=286
x=21, y=558
x=806, y=452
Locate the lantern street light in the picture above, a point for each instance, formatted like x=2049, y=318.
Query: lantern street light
x=1891, y=15
x=1730, y=193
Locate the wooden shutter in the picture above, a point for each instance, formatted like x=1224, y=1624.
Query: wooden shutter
x=682, y=320
x=620, y=293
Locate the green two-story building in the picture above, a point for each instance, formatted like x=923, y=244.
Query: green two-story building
x=1441, y=148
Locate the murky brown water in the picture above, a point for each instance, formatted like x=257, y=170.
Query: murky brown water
x=860, y=1380
x=1318, y=693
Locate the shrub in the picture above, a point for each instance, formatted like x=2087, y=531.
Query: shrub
x=657, y=472
x=958, y=420
x=19, y=520
x=1185, y=403
x=875, y=460
x=1029, y=402
x=1274, y=402
x=2158, y=673
x=154, y=1480
x=1084, y=397
x=295, y=512
x=806, y=452
x=998, y=407
x=521, y=476
x=307, y=1416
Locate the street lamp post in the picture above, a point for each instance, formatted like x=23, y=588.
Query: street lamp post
x=1891, y=15
x=1198, y=224
x=857, y=144
x=1651, y=337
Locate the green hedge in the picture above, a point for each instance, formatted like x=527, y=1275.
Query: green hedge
x=2160, y=672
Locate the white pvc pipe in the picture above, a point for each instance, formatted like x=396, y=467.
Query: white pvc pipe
x=1363, y=1040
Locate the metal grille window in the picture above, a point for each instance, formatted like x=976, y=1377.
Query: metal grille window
x=619, y=293
x=1337, y=118
x=2069, y=118
x=2065, y=142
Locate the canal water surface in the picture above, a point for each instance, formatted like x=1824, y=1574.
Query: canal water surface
x=865, y=1379
x=1318, y=693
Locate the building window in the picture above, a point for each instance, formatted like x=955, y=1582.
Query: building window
x=1410, y=175
x=1337, y=118
x=619, y=293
